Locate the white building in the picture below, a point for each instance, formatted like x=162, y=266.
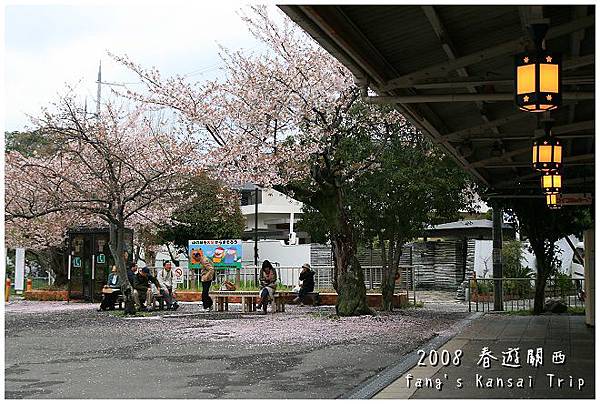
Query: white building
x=277, y=215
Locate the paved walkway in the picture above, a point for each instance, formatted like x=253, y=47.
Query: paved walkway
x=59, y=350
x=568, y=334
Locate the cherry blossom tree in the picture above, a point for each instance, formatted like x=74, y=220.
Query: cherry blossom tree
x=286, y=118
x=118, y=168
x=44, y=238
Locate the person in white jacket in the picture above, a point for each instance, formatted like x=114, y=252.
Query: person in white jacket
x=168, y=284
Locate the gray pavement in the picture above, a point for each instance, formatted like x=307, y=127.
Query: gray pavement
x=499, y=332
x=59, y=350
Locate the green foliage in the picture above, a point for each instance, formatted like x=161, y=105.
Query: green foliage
x=543, y=227
x=484, y=288
x=29, y=143
x=410, y=174
x=212, y=212
x=415, y=185
x=512, y=255
x=313, y=223
x=564, y=283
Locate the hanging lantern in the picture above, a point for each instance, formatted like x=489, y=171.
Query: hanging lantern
x=547, y=152
x=538, y=75
x=551, y=183
x=552, y=201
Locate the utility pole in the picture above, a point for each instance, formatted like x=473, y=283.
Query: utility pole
x=99, y=91
x=256, y=235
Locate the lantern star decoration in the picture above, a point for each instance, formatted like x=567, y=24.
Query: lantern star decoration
x=547, y=152
x=551, y=183
x=538, y=76
x=552, y=201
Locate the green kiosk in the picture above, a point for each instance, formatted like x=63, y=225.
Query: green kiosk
x=89, y=261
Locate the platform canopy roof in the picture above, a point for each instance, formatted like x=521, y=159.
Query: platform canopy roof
x=450, y=70
x=474, y=229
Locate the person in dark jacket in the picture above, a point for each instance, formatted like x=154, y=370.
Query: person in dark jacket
x=140, y=286
x=307, y=280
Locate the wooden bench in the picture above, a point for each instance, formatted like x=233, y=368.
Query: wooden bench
x=315, y=298
x=249, y=300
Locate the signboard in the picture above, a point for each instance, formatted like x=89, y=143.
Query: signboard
x=19, y=268
x=101, y=259
x=178, y=275
x=76, y=262
x=575, y=199
x=222, y=253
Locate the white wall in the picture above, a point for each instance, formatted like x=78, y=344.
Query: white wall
x=483, y=256
x=291, y=256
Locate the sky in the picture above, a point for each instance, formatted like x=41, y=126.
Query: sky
x=49, y=45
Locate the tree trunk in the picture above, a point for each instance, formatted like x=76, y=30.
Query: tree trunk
x=542, y=272
x=540, y=298
x=350, y=285
x=352, y=293
x=117, y=249
x=389, y=270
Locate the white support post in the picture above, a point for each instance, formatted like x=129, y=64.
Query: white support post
x=93, y=266
x=69, y=268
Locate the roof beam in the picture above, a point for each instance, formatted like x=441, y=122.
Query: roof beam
x=462, y=97
x=463, y=82
x=569, y=128
x=482, y=163
x=454, y=136
x=450, y=50
x=528, y=164
x=577, y=62
x=524, y=136
x=506, y=48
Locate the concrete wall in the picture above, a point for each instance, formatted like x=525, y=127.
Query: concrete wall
x=274, y=205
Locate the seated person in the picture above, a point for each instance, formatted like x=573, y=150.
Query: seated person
x=141, y=281
x=110, y=298
x=307, y=283
x=169, y=285
x=268, y=283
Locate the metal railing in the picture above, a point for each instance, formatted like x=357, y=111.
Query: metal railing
x=289, y=277
x=519, y=293
x=39, y=282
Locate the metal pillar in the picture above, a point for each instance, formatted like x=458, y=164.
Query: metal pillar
x=497, y=258
x=590, y=276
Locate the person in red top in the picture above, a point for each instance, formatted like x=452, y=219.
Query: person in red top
x=268, y=283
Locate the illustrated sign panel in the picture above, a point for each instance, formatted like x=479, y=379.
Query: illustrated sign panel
x=222, y=253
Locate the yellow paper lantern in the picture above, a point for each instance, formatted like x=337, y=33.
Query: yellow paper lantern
x=551, y=183
x=547, y=153
x=538, y=76
x=552, y=201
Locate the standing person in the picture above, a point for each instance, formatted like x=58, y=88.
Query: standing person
x=307, y=279
x=207, y=274
x=140, y=286
x=169, y=285
x=268, y=283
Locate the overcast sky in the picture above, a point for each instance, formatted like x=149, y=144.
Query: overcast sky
x=48, y=45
